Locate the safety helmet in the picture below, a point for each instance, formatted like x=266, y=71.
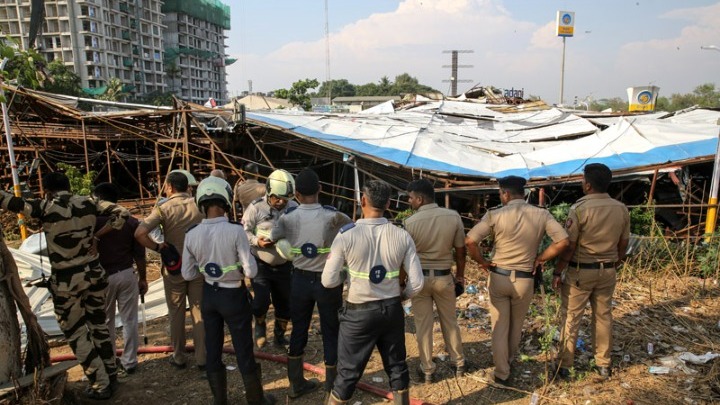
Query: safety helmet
x=191, y=179
x=281, y=184
x=285, y=249
x=213, y=188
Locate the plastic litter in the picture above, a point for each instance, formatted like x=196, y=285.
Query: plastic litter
x=471, y=289
x=377, y=379
x=695, y=359
x=230, y=368
x=534, y=399
x=659, y=370
x=407, y=306
x=442, y=356
x=626, y=358
x=650, y=348
x=580, y=344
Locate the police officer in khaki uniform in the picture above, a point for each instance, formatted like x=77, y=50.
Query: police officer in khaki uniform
x=78, y=282
x=250, y=189
x=374, y=250
x=176, y=215
x=273, y=281
x=517, y=229
x=599, y=229
x=437, y=232
x=310, y=230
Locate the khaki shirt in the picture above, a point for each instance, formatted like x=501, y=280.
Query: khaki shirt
x=259, y=220
x=312, y=224
x=518, y=229
x=597, y=223
x=176, y=215
x=249, y=191
x=370, y=243
x=436, y=231
x=68, y=222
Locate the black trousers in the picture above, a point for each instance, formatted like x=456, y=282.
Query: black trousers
x=381, y=325
x=272, y=285
x=231, y=306
x=307, y=289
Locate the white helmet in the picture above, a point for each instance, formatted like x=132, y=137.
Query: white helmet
x=213, y=188
x=285, y=249
x=191, y=179
x=281, y=184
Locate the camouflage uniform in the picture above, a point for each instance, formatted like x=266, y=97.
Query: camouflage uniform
x=78, y=281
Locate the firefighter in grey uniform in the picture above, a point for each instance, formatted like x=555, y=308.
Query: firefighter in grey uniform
x=374, y=250
x=310, y=230
x=218, y=250
x=272, y=283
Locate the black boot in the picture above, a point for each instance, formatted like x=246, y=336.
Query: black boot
x=254, y=393
x=401, y=397
x=218, y=386
x=330, y=375
x=299, y=386
x=279, y=331
x=260, y=331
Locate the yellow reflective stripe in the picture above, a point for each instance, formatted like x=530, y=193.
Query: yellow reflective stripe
x=226, y=269
x=366, y=276
x=265, y=233
x=320, y=250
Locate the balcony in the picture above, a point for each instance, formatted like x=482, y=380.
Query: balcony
x=133, y=23
x=135, y=50
x=124, y=7
x=127, y=62
x=125, y=35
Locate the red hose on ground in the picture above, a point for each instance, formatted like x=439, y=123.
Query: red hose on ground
x=261, y=355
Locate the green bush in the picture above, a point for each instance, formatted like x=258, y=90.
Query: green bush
x=80, y=184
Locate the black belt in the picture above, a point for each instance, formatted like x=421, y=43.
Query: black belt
x=518, y=273
x=309, y=274
x=436, y=273
x=373, y=304
x=593, y=266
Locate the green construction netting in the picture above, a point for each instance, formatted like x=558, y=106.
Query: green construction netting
x=127, y=88
x=230, y=61
x=213, y=11
x=96, y=91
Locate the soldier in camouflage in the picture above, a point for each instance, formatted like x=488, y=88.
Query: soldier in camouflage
x=78, y=281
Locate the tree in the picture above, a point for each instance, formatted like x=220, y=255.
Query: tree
x=62, y=79
x=115, y=90
x=23, y=68
x=615, y=103
x=80, y=184
x=298, y=93
x=340, y=88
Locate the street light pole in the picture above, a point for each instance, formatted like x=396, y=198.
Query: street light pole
x=11, y=153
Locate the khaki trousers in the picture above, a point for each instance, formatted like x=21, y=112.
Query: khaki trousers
x=177, y=291
x=510, y=300
x=440, y=290
x=598, y=287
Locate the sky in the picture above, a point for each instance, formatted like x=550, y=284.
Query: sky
x=617, y=44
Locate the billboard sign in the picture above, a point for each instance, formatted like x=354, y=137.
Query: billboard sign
x=642, y=98
x=565, y=26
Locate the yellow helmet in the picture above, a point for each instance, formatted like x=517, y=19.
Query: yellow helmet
x=213, y=188
x=281, y=184
x=191, y=179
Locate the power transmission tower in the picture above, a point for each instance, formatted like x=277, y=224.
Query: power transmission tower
x=454, y=69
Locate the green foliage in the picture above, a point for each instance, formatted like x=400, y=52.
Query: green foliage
x=642, y=221
x=62, y=79
x=298, y=93
x=560, y=212
x=80, y=183
x=707, y=256
x=114, y=91
x=159, y=98
x=340, y=88
x=403, y=215
x=615, y=103
x=403, y=84
x=24, y=68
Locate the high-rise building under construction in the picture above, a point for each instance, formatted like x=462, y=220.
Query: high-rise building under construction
x=151, y=46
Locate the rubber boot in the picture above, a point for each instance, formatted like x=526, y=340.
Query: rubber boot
x=333, y=400
x=330, y=375
x=218, y=386
x=254, y=393
x=260, y=331
x=279, y=331
x=401, y=397
x=299, y=386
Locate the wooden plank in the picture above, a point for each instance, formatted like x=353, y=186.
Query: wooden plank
x=28, y=380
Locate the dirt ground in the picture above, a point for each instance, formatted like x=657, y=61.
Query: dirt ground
x=676, y=315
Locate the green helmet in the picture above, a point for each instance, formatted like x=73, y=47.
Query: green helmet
x=191, y=179
x=213, y=188
x=281, y=184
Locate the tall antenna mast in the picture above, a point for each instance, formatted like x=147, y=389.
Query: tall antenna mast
x=327, y=56
x=454, y=66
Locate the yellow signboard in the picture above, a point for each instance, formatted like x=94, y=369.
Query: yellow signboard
x=642, y=98
x=565, y=26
